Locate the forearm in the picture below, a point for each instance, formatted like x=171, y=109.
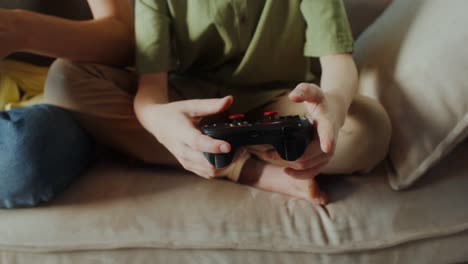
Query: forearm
x=105, y=40
x=339, y=77
x=152, y=91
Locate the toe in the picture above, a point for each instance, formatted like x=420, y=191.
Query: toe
x=316, y=195
x=322, y=198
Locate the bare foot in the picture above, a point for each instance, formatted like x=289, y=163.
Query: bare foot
x=269, y=177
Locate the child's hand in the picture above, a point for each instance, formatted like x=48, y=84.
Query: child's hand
x=327, y=113
x=173, y=125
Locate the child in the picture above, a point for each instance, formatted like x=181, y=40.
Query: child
x=255, y=56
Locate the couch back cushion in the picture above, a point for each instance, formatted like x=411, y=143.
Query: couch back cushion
x=414, y=59
x=362, y=13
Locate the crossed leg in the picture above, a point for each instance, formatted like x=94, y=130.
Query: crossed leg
x=362, y=144
x=101, y=98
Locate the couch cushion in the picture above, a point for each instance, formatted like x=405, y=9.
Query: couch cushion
x=116, y=206
x=447, y=249
x=414, y=59
x=362, y=13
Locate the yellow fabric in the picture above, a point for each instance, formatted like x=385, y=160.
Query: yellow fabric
x=21, y=84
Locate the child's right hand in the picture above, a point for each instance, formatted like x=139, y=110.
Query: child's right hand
x=173, y=125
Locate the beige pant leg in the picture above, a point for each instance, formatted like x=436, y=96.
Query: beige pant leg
x=101, y=98
x=363, y=140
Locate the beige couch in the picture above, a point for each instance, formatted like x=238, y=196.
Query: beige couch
x=118, y=213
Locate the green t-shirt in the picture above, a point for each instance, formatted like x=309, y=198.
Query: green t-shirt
x=243, y=46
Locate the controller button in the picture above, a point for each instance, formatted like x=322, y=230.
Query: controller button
x=270, y=113
x=236, y=116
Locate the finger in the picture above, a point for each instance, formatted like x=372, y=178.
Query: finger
x=203, y=143
x=306, y=92
x=197, y=163
x=203, y=172
x=326, y=134
x=193, y=161
x=307, y=173
x=307, y=164
x=316, y=194
x=204, y=107
x=200, y=171
x=313, y=150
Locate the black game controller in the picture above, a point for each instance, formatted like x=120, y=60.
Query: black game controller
x=289, y=135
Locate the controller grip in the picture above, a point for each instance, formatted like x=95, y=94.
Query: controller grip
x=291, y=150
x=219, y=160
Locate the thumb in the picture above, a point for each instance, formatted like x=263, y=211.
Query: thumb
x=306, y=92
x=205, y=107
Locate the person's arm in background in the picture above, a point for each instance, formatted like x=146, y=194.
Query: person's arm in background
x=107, y=38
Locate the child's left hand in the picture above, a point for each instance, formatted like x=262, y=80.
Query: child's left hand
x=327, y=112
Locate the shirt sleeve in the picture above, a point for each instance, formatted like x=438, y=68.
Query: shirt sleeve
x=328, y=30
x=152, y=36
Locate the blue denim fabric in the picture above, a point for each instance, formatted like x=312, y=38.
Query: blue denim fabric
x=42, y=149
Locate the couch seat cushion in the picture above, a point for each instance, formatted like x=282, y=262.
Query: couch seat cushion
x=117, y=206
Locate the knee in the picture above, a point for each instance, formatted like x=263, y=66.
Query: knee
x=21, y=187
x=42, y=151
x=373, y=129
x=64, y=80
